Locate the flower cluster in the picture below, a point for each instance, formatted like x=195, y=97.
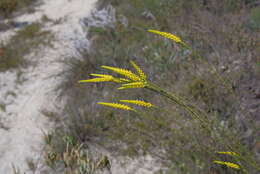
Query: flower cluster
x=128, y=80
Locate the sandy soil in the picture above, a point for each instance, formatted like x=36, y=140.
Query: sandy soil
x=24, y=124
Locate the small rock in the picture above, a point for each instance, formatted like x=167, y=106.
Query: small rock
x=257, y=96
x=148, y=15
x=123, y=20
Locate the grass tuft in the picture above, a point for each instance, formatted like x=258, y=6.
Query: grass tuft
x=22, y=43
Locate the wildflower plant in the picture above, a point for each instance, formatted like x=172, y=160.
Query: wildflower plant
x=128, y=79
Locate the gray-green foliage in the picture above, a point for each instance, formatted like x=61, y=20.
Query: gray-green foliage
x=188, y=148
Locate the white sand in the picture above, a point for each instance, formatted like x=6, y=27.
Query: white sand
x=24, y=101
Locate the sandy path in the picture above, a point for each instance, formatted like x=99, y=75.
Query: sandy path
x=22, y=115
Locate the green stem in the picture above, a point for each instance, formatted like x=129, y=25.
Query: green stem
x=197, y=113
x=181, y=102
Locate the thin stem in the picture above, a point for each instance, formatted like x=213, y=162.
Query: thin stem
x=197, y=113
x=181, y=102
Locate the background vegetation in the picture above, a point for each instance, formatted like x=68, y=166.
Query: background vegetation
x=8, y=7
x=28, y=38
x=226, y=35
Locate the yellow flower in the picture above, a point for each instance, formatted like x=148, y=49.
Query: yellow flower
x=116, y=105
x=167, y=35
x=104, y=79
x=132, y=85
x=229, y=153
x=138, y=102
x=113, y=79
x=228, y=164
x=139, y=71
x=123, y=72
x=124, y=80
x=102, y=75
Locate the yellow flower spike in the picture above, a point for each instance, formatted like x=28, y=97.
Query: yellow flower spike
x=120, y=88
x=132, y=85
x=113, y=79
x=116, y=80
x=116, y=105
x=101, y=75
x=228, y=153
x=128, y=87
x=141, y=84
x=228, y=164
x=138, y=102
x=139, y=71
x=167, y=35
x=124, y=80
x=105, y=79
x=123, y=72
